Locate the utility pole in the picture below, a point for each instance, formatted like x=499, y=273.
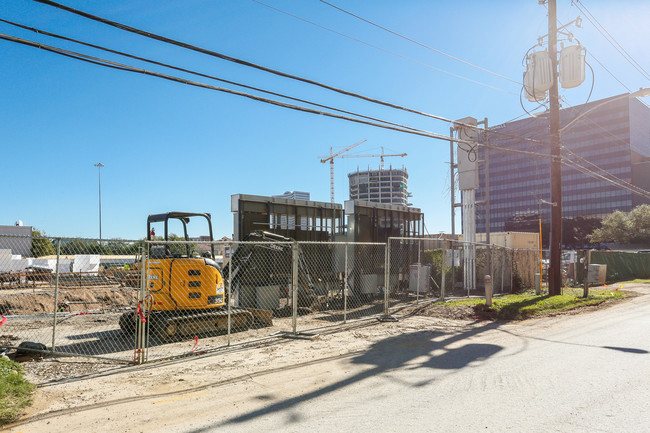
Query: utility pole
x=554, y=272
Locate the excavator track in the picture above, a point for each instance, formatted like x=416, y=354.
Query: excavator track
x=171, y=326
x=174, y=325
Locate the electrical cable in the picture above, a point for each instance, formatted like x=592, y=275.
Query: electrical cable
x=608, y=71
x=521, y=102
x=521, y=152
x=383, y=49
x=613, y=42
x=419, y=43
x=115, y=65
x=212, y=77
x=593, y=81
x=245, y=63
x=573, y=164
x=614, y=177
x=388, y=125
x=598, y=125
x=599, y=62
x=611, y=177
x=234, y=59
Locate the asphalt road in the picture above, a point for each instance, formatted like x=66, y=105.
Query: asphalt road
x=577, y=373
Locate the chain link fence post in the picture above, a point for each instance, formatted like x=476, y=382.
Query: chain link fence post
x=345, y=286
x=294, y=286
x=141, y=330
x=229, y=305
x=443, y=281
x=56, y=294
x=417, y=289
x=386, y=277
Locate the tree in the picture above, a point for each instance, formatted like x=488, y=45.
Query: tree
x=633, y=227
x=639, y=219
x=177, y=244
x=41, y=246
x=576, y=231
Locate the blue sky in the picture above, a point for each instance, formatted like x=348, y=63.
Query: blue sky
x=168, y=146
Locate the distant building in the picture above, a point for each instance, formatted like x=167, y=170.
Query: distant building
x=615, y=136
x=380, y=186
x=294, y=195
x=17, y=238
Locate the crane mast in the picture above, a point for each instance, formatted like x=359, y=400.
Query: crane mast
x=330, y=158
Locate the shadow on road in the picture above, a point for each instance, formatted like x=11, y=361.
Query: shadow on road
x=626, y=349
x=620, y=349
x=393, y=353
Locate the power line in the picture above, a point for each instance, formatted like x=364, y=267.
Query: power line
x=383, y=49
x=607, y=70
x=640, y=192
x=599, y=62
x=613, y=42
x=610, y=176
x=618, y=139
x=212, y=77
x=419, y=43
x=233, y=59
x=384, y=124
x=245, y=63
x=46, y=33
x=115, y=65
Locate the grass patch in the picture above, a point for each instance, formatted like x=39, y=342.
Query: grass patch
x=524, y=306
x=637, y=281
x=15, y=391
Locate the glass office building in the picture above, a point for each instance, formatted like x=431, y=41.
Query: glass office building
x=614, y=137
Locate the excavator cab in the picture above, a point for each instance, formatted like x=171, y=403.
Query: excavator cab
x=164, y=250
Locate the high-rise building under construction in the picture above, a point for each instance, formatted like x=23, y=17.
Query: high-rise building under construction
x=380, y=186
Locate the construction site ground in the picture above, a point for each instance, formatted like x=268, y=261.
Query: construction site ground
x=72, y=386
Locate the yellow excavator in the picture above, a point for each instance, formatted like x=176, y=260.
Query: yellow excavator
x=185, y=293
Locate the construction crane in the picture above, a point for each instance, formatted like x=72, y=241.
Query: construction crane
x=330, y=158
x=382, y=156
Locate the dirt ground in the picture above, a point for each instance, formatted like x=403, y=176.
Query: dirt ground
x=49, y=371
x=70, y=384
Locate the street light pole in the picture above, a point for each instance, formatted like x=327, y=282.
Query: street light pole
x=555, y=275
x=99, y=166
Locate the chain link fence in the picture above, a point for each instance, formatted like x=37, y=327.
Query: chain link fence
x=429, y=269
x=140, y=301
x=347, y=281
x=66, y=295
